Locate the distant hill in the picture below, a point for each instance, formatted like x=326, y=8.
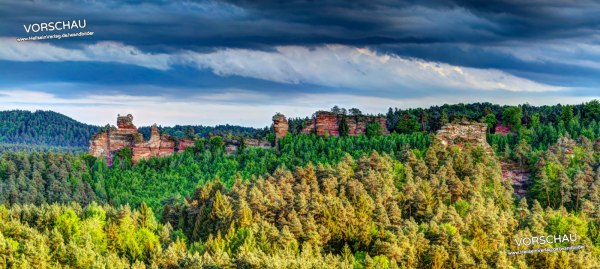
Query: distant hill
x=22, y=130
x=26, y=130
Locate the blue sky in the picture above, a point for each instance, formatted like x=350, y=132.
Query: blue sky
x=239, y=62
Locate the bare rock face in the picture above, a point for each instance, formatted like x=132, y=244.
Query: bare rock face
x=328, y=123
x=280, y=125
x=99, y=145
x=461, y=134
x=502, y=130
x=255, y=143
x=157, y=146
x=184, y=143
x=232, y=145
x=125, y=123
x=518, y=176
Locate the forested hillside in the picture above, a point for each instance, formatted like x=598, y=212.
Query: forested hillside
x=371, y=201
x=436, y=208
x=25, y=130
x=50, y=177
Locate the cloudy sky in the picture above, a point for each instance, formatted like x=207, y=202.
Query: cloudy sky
x=239, y=62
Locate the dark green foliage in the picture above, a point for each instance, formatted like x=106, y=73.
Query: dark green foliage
x=511, y=116
x=456, y=213
x=541, y=135
x=217, y=144
x=43, y=129
x=490, y=120
x=374, y=129
x=407, y=124
x=5, y=147
x=591, y=111
x=433, y=118
x=159, y=179
x=182, y=131
x=344, y=128
x=45, y=177
x=297, y=124
x=567, y=113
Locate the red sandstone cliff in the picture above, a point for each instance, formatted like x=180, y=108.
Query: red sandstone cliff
x=126, y=135
x=184, y=143
x=105, y=143
x=158, y=145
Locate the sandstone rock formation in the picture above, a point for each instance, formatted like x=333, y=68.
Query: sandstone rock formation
x=502, y=130
x=518, y=176
x=232, y=145
x=158, y=145
x=104, y=144
x=184, y=143
x=280, y=125
x=324, y=122
x=125, y=123
x=463, y=133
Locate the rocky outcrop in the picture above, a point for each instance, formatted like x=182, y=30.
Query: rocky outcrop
x=104, y=144
x=280, y=126
x=256, y=143
x=464, y=133
x=518, y=176
x=125, y=123
x=328, y=123
x=502, y=130
x=232, y=145
x=158, y=145
x=184, y=143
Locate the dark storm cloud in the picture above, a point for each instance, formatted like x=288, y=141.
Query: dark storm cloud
x=262, y=24
x=206, y=25
x=505, y=35
x=269, y=23
x=428, y=21
x=441, y=30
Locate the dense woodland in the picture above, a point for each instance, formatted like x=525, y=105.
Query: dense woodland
x=227, y=131
x=372, y=201
x=26, y=130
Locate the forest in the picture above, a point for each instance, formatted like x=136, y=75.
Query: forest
x=371, y=201
x=33, y=131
